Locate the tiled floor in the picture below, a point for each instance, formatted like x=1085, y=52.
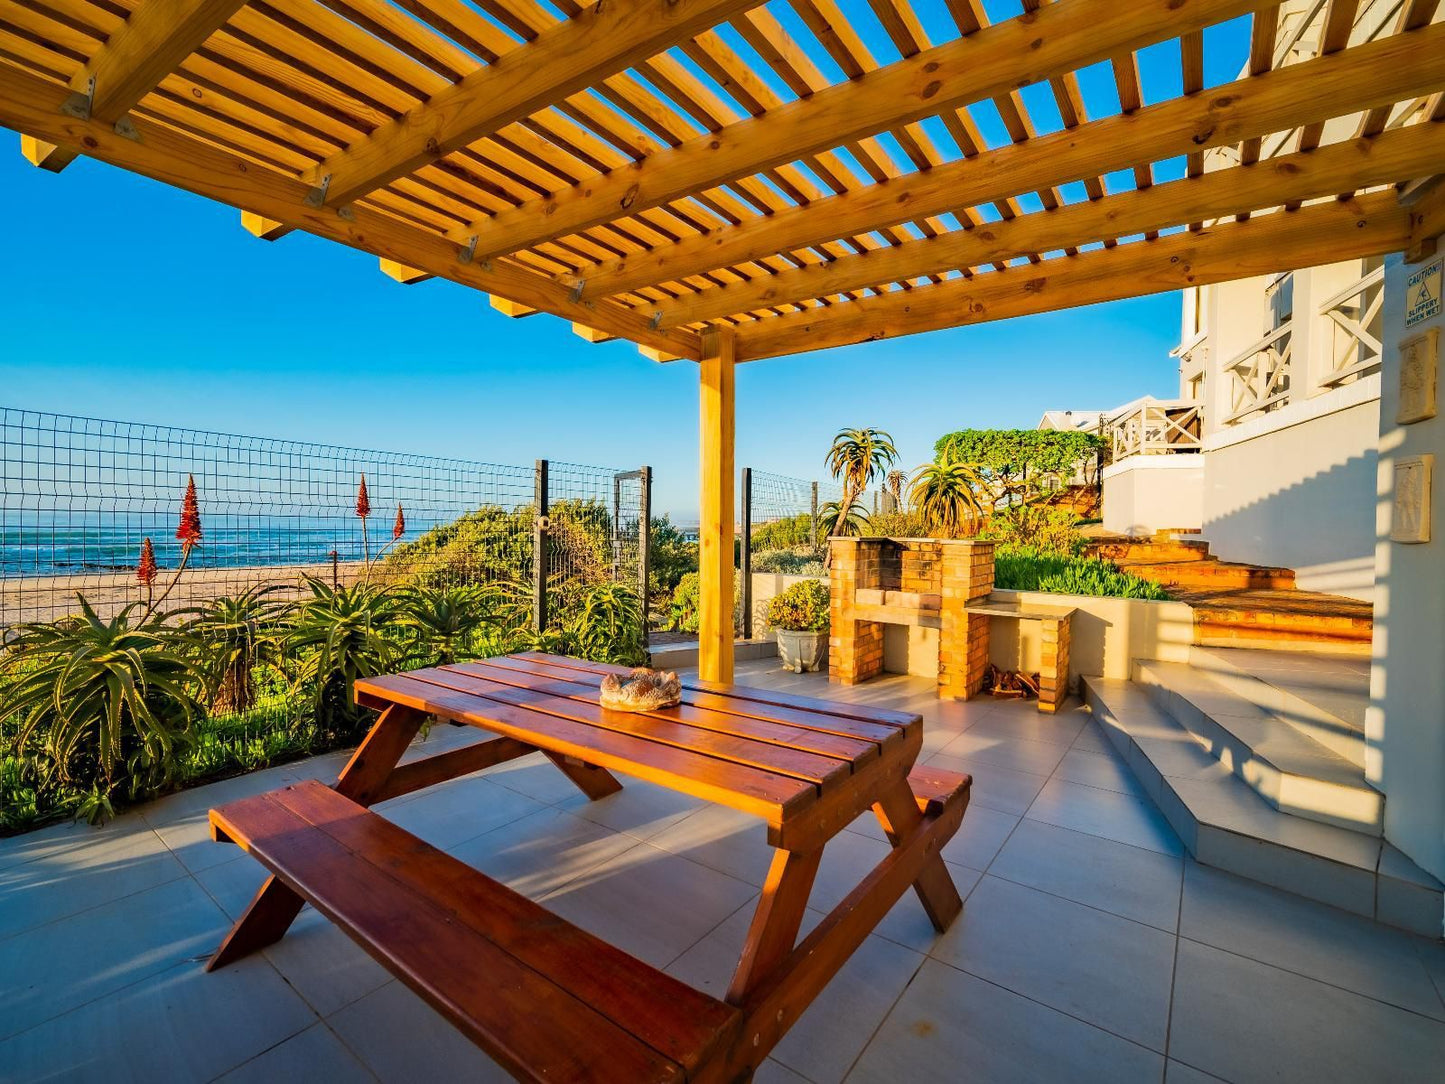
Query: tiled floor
x=1090, y=948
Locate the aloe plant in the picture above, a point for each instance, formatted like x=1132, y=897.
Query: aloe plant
x=234, y=635
x=445, y=622
x=609, y=627
x=108, y=702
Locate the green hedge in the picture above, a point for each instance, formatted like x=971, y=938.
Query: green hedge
x=1023, y=568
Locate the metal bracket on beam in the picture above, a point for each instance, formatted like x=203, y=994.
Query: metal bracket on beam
x=317, y=196
x=655, y=321
x=78, y=104
x=468, y=251
x=577, y=289
x=125, y=127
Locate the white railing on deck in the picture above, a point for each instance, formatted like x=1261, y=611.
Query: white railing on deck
x=1157, y=427
x=1352, y=326
x=1259, y=375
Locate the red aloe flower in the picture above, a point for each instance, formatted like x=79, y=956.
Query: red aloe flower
x=363, y=501
x=399, y=527
x=189, y=530
x=146, y=571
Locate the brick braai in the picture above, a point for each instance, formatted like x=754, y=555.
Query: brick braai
x=920, y=581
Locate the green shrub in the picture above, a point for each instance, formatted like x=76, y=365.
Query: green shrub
x=445, y=624
x=1021, y=568
x=1040, y=527
x=787, y=533
x=795, y=562
x=685, y=603
x=801, y=608
x=609, y=628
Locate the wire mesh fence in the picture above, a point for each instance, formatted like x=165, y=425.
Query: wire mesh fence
x=791, y=518
x=79, y=497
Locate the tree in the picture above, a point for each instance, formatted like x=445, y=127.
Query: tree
x=951, y=497
x=1015, y=465
x=857, y=457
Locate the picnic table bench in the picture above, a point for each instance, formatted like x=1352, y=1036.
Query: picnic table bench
x=547, y=1000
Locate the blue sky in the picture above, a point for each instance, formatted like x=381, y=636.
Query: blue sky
x=122, y=298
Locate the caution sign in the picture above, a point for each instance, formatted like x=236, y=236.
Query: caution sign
x=1422, y=294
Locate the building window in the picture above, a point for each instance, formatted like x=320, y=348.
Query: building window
x=1281, y=302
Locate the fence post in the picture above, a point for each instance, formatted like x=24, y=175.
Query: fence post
x=815, y=516
x=616, y=525
x=644, y=542
x=540, y=534
x=747, y=552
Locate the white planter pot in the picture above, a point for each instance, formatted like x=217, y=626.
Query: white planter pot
x=802, y=651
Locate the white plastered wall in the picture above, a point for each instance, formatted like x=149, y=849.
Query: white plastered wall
x=1148, y=493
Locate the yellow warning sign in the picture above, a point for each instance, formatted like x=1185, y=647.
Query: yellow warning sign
x=1422, y=294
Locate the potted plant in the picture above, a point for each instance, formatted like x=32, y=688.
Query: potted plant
x=800, y=614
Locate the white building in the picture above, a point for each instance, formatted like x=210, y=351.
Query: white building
x=1269, y=451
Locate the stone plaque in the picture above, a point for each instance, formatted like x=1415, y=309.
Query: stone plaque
x=1411, y=521
x=1419, y=369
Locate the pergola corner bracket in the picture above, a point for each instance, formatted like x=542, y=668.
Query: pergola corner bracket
x=317, y=196
x=468, y=252
x=78, y=104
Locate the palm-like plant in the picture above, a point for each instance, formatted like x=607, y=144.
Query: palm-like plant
x=234, y=635
x=109, y=701
x=857, y=457
x=947, y=495
x=445, y=621
x=609, y=626
x=339, y=636
x=841, y=521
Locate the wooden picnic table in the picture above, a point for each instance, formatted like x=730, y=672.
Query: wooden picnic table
x=559, y=1003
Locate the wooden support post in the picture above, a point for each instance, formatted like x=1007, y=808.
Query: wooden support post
x=774, y=930
x=715, y=537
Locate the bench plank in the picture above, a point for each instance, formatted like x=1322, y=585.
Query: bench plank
x=546, y=999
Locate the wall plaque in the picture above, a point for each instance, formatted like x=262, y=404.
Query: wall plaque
x=1411, y=521
x=1419, y=375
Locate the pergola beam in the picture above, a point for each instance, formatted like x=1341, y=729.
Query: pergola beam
x=1381, y=72
x=1355, y=228
x=31, y=104
x=1427, y=219
x=1034, y=47
x=267, y=229
x=607, y=37
x=156, y=37
x=1388, y=158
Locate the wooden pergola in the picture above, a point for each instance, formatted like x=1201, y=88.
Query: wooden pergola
x=686, y=175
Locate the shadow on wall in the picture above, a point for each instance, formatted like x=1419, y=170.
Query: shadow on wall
x=1322, y=526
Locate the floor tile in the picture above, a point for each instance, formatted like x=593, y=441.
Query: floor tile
x=60, y=966
x=1106, y=970
x=402, y=1040
x=831, y=1034
x=951, y=1026
x=1176, y=1072
x=1023, y=722
x=1092, y=739
x=233, y=884
x=35, y=893
x=315, y=1054
x=1247, y=1022
x=1128, y=881
x=649, y=902
x=536, y=777
x=323, y=964
x=541, y=852
x=1018, y=755
x=457, y=811
x=723, y=839
x=1119, y=817
x=774, y=1072
x=994, y=787
x=909, y=925
x=182, y=1024
x=1297, y=934
x=1105, y=770
x=640, y=809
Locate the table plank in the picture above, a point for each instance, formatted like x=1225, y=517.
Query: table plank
x=881, y=734
x=769, y=795
x=863, y=712
x=656, y=727
x=578, y=685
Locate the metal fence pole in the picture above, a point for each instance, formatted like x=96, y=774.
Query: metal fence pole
x=644, y=542
x=815, y=515
x=616, y=525
x=747, y=552
x=540, y=535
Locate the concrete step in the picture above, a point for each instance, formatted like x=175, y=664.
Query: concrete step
x=1332, y=716
x=1210, y=573
x=1262, y=623
x=1224, y=823
x=1290, y=771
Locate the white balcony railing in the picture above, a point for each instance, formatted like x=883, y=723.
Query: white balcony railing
x=1259, y=375
x=1157, y=427
x=1352, y=328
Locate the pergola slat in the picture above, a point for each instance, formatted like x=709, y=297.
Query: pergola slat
x=571, y=56
x=31, y=104
x=1370, y=225
x=1389, y=70
x=1404, y=152
x=152, y=43
x=1056, y=39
